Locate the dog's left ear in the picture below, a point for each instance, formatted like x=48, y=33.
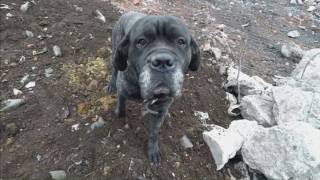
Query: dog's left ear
x=121, y=54
x=195, y=56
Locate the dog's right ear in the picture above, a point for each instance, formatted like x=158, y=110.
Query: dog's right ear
x=121, y=55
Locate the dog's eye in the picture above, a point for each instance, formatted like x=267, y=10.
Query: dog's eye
x=141, y=43
x=181, y=42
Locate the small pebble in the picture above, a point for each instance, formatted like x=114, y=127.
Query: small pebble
x=12, y=129
x=56, y=51
x=294, y=34
x=24, y=7
x=17, y=92
x=29, y=33
x=185, y=142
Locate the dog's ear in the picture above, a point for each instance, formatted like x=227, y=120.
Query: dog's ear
x=195, y=56
x=121, y=54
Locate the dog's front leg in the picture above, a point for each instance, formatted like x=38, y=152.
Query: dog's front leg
x=154, y=124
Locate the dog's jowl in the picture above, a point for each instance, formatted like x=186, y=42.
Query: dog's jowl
x=151, y=55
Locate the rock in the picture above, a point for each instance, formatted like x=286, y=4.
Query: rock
x=29, y=33
x=11, y=104
x=136, y=2
x=293, y=34
x=292, y=50
x=186, y=143
x=234, y=110
x=42, y=51
x=57, y=51
x=99, y=123
x=293, y=2
x=203, y=117
x=240, y=170
x=300, y=2
x=48, y=72
x=58, y=174
x=24, y=7
x=12, y=129
x=100, y=16
x=17, y=92
x=93, y=85
x=308, y=68
x=244, y=127
x=75, y=127
x=223, y=144
x=25, y=79
x=30, y=84
x=293, y=104
x=231, y=98
x=287, y=151
x=217, y=53
x=258, y=108
x=311, y=8
x=248, y=85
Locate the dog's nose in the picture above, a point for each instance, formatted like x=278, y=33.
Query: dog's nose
x=162, y=62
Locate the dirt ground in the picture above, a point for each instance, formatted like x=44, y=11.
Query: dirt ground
x=41, y=137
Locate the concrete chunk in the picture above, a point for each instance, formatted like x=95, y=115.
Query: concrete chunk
x=287, y=151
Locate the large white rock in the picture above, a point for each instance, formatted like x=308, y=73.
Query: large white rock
x=292, y=50
x=294, y=104
x=223, y=144
x=248, y=85
x=258, y=108
x=244, y=128
x=309, y=68
x=286, y=151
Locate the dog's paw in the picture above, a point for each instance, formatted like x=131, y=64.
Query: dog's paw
x=154, y=155
x=110, y=88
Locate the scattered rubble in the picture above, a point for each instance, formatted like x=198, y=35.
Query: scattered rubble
x=186, y=143
x=11, y=104
x=48, y=72
x=203, y=117
x=42, y=51
x=99, y=123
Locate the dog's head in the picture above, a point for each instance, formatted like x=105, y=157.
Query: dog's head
x=161, y=49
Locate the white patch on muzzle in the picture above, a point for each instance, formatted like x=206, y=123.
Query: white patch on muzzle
x=145, y=80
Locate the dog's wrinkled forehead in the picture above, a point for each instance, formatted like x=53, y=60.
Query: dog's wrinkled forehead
x=151, y=27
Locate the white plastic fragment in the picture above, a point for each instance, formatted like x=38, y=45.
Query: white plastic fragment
x=11, y=104
x=24, y=79
x=100, y=16
x=223, y=144
x=287, y=151
x=30, y=84
x=185, y=142
x=75, y=127
x=58, y=174
x=24, y=7
x=17, y=92
x=56, y=51
x=293, y=34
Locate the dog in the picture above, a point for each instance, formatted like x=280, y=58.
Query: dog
x=150, y=57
